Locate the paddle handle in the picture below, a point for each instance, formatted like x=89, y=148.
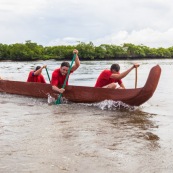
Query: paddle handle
x=47, y=74
x=136, y=77
x=58, y=101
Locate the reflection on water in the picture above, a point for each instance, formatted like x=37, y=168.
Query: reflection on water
x=137, y=125
x=103, y=137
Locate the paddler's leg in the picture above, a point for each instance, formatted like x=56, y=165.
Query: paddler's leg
x=111, y=85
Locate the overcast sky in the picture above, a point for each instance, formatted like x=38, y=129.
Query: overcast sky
x=64, y=22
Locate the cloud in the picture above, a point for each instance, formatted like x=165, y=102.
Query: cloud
x=50, y=22
x=147, y=36
x=65, y=41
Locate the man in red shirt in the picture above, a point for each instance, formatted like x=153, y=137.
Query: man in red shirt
x=36, y=76
x=109, y=78
x=59, y=75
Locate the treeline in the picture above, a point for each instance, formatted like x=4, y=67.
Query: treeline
x=30, y=51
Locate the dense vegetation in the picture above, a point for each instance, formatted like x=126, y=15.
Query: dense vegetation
x=33, y=51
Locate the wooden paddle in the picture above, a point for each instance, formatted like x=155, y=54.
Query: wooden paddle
x=58, y=101
x=136, y=77
x=47, y=74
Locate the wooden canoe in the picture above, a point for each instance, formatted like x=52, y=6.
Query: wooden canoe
x=82, y=94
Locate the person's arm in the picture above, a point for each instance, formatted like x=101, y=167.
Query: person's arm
x=39, y=70
x=60, y=90
x=122, y=86
x=77, y=61
x=124, y=74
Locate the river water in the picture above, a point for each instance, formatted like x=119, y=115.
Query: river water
x=103, y=137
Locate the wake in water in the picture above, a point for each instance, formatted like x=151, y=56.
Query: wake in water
x=22, y=100
x=104, y=105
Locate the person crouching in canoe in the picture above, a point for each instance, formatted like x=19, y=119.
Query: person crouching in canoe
x=59, y=75
x=36, y=76
x=109, y=78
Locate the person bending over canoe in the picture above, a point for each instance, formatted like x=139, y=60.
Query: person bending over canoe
x=59, y=75
x=109, y=78
x=36, y=76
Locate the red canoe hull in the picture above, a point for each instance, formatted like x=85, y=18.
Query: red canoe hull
x=82, y=94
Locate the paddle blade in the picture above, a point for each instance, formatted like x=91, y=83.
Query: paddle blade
x=59, y=100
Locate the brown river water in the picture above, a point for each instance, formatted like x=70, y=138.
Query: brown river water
x=106, y=137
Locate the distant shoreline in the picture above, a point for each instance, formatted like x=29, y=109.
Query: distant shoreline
x=30, y=51
x=81, y=59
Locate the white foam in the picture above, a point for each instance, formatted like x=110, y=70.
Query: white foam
x=112, y=105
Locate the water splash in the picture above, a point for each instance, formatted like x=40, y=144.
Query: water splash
x=52, y=100
x=112, y=105
x=104, y=105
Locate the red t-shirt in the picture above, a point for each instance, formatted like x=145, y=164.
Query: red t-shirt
x=104, y=79
x=57, y=78
x=35, y=78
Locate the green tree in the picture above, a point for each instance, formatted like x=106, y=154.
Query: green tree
x=86, y=51
x=4, y=52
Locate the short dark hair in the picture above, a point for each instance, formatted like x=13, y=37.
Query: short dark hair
x=66, y=64
x=37, y=68
x=115, y=67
